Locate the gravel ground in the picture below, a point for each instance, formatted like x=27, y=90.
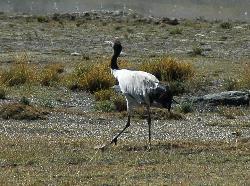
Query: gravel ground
x=196, y=126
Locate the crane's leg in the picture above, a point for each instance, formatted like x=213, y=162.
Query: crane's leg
x=149, y=126
x=114, y=140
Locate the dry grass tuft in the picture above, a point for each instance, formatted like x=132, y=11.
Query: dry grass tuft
x=109, y=100
x=98, y=77
x=230, y=112
x=168, y=69
x=20, y=111
x=2, y=93
x=119, y=103
x=92, y=77
x=102, y=95
x=245, y=77
x=51, y=74
x=20, y=72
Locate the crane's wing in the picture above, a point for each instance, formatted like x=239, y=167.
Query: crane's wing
x=137, y=84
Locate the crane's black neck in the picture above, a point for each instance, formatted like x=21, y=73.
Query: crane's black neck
x=117, y=50
x=114, y=65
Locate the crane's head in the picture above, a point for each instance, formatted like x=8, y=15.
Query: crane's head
x=166, y=100
x=117, y=47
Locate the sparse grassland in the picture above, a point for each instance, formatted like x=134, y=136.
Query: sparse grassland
x=71, y=161
x=55, y=69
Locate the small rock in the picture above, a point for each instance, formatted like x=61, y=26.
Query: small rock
x=201, y=35
x=75, y=54
x=235, y=98
x=238, y=27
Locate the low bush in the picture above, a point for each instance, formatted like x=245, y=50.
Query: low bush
x=168, y=69
x=226, y=25
x=105, y=94
x=20, y=72
x=93, y=76
x=186, y=107
x=98, y=77
x=178, y=87
x=119, y=102
x=50, y=74
x=105, y=106
x=176, y=31
x=244, y=80
x=42, y=19
x=2, y=93
x=231, y=84
x=21, y=112
x=197, y=51
x=24, y=101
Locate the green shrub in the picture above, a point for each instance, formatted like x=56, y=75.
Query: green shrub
x=226, y=25
x=230, y=84
x=72, y=80
x=197, y=50
x=105, y=106
x=118, y=101
x=176, y=31
x=42, y=19
x=178, y=87
x=24, y=100
x=186, y=107
x=2, y=93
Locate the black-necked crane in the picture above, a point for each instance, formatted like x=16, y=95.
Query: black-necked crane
x=139, y=88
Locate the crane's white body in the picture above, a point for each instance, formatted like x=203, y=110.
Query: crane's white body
x=135, y=85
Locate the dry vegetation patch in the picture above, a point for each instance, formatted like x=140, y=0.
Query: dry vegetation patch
x=51, y=74
x=168, y=69
x=19, y=72
x=245, y=77
x=20, y=111
x=90, y=77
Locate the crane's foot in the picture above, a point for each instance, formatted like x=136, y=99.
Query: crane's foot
x=102, y=147
x=114, y=141
x=105, y=146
